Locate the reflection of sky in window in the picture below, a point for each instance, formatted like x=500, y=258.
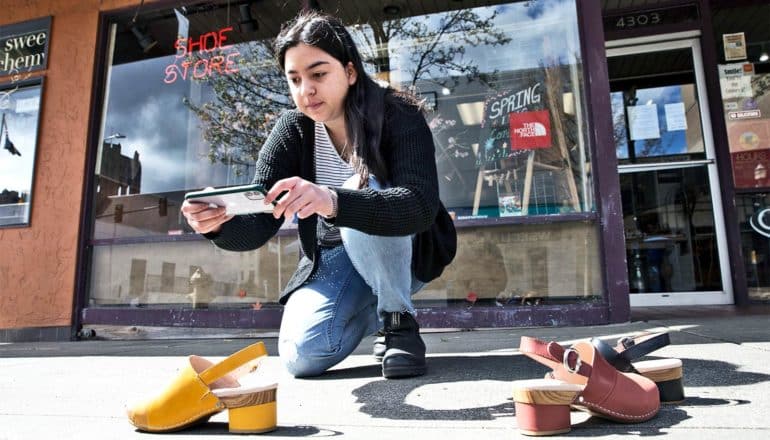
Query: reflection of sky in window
x=543, y=33
x=619, y=129
x=16, y=172
x=669, y=143
x=153, y=119
x=165, y=133
x=157, y=124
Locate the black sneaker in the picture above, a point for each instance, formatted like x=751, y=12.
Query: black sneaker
x=405, y=350
x=378, y=348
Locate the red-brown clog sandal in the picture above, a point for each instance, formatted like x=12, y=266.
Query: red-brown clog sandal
x=666, y=373
x=581, y=379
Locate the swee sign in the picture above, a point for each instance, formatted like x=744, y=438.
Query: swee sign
x=24, y=46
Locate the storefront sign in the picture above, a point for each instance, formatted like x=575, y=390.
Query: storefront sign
x=24, y=46
x=202, y=57
x=651, y=17
x=735, y=46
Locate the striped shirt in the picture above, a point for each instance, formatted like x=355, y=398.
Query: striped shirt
x=332, y=171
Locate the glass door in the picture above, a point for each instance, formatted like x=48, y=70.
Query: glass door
x=675, y=240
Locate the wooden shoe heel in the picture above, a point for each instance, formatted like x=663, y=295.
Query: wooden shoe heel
x=543, y=406
x=253, y=419
x=253, y=413
x=667, y=375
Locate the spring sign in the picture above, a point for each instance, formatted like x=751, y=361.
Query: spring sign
x=202, y=57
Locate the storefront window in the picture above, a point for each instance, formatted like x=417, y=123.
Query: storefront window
x=744, y=76
x=504, y=91
x=753, y=210
x=20, y=110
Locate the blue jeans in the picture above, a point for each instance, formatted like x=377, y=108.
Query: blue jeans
x=325, y=319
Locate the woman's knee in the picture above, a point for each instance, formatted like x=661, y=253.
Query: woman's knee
x=303, y=358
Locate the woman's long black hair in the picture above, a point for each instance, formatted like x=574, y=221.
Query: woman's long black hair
x=365, y=102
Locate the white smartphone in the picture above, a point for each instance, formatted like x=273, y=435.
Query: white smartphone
x=237, y=200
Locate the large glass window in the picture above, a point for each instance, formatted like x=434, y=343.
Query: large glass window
x=504, y=83
x=503, y=87
x=20, y=111
x=653, y=120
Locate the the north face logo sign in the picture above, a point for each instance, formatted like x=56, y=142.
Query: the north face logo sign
x=529, y=130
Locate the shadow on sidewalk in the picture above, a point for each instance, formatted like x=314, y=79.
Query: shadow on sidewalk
x=220, y=428
x=455, y=385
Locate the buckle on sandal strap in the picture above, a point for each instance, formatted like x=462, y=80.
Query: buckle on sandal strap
x=626, y=342
x=566, y=361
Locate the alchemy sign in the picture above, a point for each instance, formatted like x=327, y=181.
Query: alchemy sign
x=24, y=46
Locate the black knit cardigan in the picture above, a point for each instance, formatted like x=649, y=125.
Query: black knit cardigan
x=409, y=206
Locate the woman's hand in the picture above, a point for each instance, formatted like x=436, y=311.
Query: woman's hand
x=203, y=218
x=302, y=197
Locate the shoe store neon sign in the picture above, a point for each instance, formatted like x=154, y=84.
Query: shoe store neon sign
x=202, y=57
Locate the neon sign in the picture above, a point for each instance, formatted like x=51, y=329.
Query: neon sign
x=221, y=58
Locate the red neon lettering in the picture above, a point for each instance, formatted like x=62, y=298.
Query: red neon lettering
x=216, y=63
x=205, y=65
x=186, y=64
x=223, y=37
x=193, y=44
x=171, y=74
x=229, y=63
x=202, y=68
x=181, y=47
x=205, y=39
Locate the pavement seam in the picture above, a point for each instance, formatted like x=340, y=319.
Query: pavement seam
x=714, y=338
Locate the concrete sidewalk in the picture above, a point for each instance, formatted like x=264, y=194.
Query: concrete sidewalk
x=78, y=390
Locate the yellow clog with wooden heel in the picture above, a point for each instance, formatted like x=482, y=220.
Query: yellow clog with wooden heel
x=203, y=389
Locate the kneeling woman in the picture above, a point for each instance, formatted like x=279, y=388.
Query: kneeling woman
x=355, y=164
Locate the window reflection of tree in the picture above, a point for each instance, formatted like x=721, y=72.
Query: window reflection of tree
x=432, y=57
x=238, y=116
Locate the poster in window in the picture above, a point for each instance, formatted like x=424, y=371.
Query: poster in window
x=750, y=152
x=676, y=118
x=19, y=113
x=735, y=46
x=643, y=122
x=735, y=80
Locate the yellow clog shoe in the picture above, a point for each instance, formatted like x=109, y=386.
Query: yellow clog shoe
x=203, y=389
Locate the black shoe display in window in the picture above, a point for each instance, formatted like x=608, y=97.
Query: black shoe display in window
x=378, y=348
x=405, y=350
